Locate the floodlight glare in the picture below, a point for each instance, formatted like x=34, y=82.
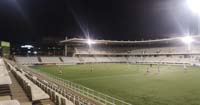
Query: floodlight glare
x=35, y=52
x=187, y=39
x=27, y=46
x=194, y=5
x=29, y=51
x=89, y=42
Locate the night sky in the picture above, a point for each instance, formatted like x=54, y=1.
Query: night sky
x=26, y=21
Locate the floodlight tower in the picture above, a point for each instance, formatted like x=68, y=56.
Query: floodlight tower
x=187, y=40
x=194, y=5
x=90, y=42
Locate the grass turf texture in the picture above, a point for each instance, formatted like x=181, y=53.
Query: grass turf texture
x=171, y=86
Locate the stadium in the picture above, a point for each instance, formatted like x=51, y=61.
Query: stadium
x=95, y=72
x=86, y=52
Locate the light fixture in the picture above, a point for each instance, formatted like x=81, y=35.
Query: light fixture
x=187, y=39
x=194, y=5
x=90, y=42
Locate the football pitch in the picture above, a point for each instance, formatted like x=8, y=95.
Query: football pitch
x=159, y=85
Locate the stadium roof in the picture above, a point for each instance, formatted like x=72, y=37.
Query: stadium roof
x=165, y=40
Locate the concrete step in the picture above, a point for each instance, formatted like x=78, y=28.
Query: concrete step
x=22, y=99
x=18, y=92
x=25, y=103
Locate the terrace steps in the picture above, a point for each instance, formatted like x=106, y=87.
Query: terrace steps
x=17, y=92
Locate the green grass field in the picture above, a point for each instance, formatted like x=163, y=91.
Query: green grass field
x=171, y=86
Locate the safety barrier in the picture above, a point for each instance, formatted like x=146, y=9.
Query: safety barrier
x=82, y=90
x=97, y=96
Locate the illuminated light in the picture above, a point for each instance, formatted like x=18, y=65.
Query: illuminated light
x=29, y=52
x=27, y=46
x=90, y=42
x=35, y=52
x=194, y=5
x=187, y=39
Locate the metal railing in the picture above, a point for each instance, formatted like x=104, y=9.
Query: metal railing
x=50, y=88
x=90, y=93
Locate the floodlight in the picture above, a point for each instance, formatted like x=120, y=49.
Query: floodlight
x=29, y=51
x=35, y=52
x=90, y=42
x=27, y=46
x=194, y=5
x=187, y=39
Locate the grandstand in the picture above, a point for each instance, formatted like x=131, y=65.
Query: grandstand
x=42, y=89
x=162, y=51
x=17, y=89
x=27, y=60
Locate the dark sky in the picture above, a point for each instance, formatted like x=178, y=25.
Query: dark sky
x=26, y=21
